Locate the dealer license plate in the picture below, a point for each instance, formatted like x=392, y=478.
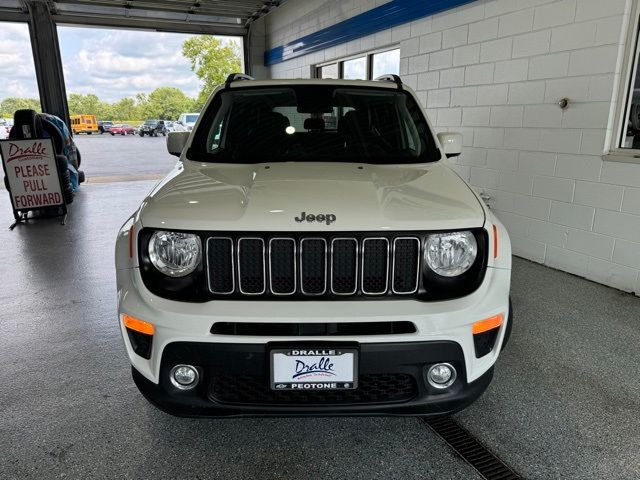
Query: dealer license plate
x=314, y=368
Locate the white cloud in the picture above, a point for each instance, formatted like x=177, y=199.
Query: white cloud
x=17, y=73
x=109, y=63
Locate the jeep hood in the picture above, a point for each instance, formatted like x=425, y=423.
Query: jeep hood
x=268, y=197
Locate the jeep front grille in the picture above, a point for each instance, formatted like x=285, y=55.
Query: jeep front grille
x=313, y=265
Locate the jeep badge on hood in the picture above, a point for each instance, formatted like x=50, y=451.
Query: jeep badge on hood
x=329, y=218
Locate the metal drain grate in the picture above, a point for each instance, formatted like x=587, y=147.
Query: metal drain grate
x=471, y=450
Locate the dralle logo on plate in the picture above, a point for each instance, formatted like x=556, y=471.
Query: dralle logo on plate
x=321, y=367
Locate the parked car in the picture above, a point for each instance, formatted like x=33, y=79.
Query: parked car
x=188, y=120
x=5, y=127
x=174, y=127
x=104, y=126
x=153, y=128
x=123, y=129
x=284, y=267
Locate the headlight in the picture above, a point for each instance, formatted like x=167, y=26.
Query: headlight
x=175, y=254
x=450, y=254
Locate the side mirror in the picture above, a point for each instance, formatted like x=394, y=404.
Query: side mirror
x=176, y=142
x=451, y=143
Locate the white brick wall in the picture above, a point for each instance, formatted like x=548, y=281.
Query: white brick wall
x=494, y=70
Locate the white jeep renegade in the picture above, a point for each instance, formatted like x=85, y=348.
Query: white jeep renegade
x=312, y=254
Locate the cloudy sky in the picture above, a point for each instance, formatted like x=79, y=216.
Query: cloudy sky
x=110, y=63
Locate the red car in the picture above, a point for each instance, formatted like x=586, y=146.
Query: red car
x=122, y=130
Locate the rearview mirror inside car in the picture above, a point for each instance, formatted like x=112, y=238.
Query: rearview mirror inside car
x=176, y=142
x=451, y=143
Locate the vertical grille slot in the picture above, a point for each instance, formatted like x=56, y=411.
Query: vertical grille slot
x=251, y=267
x=313, y=266
x=375, y=265
x=282, y=266
x=406, y=263
x=344, y=266
x=220, y=258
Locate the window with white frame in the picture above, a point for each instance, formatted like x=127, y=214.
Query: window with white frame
x=628, y=119
x=362, y=67
x=630, y=134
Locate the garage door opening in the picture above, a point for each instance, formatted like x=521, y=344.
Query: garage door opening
x=127, y=90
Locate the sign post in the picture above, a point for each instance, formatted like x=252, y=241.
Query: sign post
x=31, y=169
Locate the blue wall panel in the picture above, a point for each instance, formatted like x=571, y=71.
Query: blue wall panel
x=391, y=14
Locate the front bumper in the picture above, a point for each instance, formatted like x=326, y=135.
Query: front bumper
x=234, y=381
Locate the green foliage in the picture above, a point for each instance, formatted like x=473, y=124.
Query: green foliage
x=124, y=108
x=87, y=104
x=212, y=60
x=10, y=104
x=164, y=103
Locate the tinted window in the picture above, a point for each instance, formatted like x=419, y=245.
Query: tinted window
x=314, y=123
x=191, y=118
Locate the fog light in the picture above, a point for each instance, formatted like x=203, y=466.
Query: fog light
x=184, y=377
x=441, y=375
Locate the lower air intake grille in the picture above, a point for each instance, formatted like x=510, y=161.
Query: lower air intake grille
x=254, y=390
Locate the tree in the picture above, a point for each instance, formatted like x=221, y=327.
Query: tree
x=89, y=104
x=9, y=105
x=212, y=60
x=124, y=109
x=165, y=103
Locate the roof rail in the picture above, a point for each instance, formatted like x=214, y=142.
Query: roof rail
x=390, y=78
x=235, y=77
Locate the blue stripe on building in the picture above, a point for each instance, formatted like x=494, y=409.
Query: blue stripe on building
x=391, y=14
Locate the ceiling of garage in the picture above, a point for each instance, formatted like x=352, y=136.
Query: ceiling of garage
x=223, y=17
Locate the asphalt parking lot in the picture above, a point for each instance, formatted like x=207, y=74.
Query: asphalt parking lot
x=107, y=158
x=563, y=404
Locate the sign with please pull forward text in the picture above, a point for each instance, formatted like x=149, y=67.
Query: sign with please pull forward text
x=30, y=166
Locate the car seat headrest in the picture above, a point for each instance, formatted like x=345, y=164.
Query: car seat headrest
x=25, y=125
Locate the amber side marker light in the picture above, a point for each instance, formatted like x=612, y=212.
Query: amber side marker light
x=495, y=241
x=138, y=325
x=487, y=324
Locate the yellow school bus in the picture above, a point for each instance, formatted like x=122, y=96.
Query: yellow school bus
x=84, y=124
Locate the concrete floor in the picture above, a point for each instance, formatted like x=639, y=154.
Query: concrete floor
x=564, y=403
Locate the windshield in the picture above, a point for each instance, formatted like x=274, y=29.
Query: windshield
x=314, y=123
x=191, y=118
x=151, y=122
